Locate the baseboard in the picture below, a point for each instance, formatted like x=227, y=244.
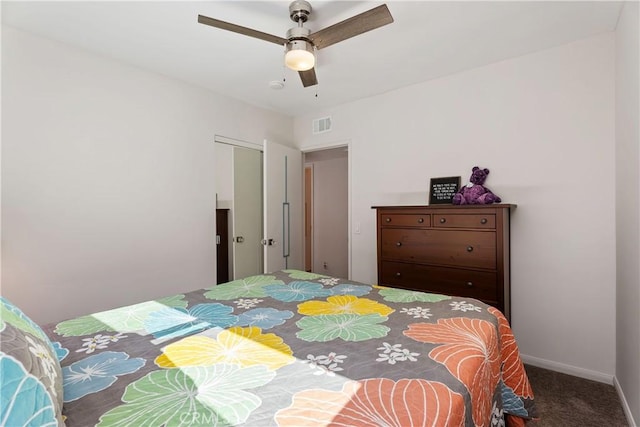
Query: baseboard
x=625, y=404
x=568, y=369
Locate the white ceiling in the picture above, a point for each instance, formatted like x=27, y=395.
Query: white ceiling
x=428, y=39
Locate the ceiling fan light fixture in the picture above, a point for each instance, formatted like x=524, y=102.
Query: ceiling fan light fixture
x=299, y=56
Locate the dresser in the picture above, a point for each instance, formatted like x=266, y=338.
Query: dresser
x=453, y=250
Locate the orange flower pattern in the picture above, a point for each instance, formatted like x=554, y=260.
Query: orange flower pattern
x=375, y=402
x=470, y=352
x=513, y=373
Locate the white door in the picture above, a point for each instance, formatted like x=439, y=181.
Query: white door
x=283, y=225
x=247, y=212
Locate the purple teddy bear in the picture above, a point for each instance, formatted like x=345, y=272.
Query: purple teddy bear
x=475, y=193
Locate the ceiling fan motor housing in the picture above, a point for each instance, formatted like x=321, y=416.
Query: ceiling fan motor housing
x=298, y=33
x=299, y=11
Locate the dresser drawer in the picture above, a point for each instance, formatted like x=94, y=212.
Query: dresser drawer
x=475, y=249
x=404, y=220
x=481, y=285
x=482, y=221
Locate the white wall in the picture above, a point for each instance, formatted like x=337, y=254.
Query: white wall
x=628, y=208
x=108, y=178
x=224, y=174
x=544, y=125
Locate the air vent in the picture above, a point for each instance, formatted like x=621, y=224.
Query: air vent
x=321, y=125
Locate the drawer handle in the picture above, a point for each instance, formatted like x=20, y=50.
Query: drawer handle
x=420, y=221
x=399, y=244
x=470, y=284
x=443, y=220
x=387, y=219
x=469, y=248
x=483, y=221
x=398, y=274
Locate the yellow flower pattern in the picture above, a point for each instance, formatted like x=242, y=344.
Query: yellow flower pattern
x=239, y=346
x=344, y=304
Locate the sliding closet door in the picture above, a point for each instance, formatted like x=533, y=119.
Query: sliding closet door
x=247, y=212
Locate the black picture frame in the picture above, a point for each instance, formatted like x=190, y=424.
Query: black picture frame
x=442, y=190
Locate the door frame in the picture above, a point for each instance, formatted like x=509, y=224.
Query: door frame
x=237, y=142
x=328, y=146
x=308, y=216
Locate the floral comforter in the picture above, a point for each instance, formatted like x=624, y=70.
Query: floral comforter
x=293, y=349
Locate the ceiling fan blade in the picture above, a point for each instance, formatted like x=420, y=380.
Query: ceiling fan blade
x=351, y=27
x=241, y=30
x=308, y=77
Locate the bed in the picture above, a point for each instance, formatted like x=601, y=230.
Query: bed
x=289, y=348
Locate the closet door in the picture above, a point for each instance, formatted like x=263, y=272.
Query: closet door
x=283, y=217
x=247, y=212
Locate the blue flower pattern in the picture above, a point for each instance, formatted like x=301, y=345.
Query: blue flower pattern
x=264, y=318
x=61, y=352
x=350, y=289
x=24, y=400
x=511, y=403
x=176, y=321
x=96, y=373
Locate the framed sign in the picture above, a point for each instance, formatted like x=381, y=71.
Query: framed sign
x=442, y=190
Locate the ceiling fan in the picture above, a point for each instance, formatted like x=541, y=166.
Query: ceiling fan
x=300, y=44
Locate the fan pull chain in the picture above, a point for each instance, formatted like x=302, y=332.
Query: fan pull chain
x=315, y=53
x=284, y=67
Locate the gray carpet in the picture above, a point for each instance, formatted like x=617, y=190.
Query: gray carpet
x=567, y=401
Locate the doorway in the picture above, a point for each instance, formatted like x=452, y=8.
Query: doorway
x=327, y=211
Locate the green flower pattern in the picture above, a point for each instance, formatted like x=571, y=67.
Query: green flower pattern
x=213, y=395
x=348, y=327
x=251, y=287
x=303, y=275
x=124, y=319
x=402, y=295
x=11, y=315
